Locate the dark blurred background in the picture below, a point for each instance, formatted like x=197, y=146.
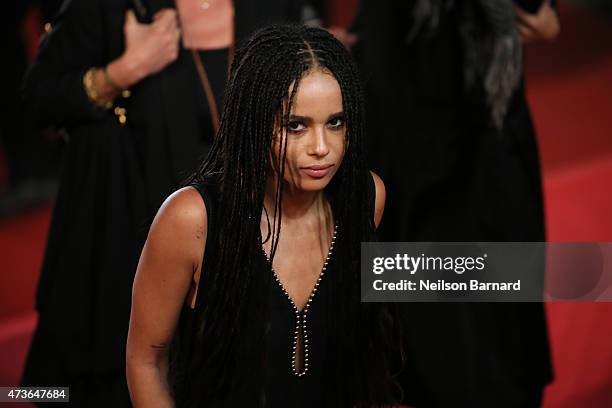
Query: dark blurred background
x=569, y=86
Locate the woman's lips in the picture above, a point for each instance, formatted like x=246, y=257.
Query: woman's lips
x=318, y=171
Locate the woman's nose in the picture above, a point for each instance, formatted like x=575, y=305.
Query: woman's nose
x=318, y=144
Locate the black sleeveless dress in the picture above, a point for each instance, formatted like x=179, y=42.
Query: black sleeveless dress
x=270, y=375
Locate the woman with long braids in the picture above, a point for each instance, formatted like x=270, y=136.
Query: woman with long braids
x=247, y=291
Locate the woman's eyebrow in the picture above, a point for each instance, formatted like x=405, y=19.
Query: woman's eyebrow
x=336, y=115
x=308, y=119
x=300, y=118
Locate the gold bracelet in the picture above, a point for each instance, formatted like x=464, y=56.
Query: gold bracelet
x=92, y=91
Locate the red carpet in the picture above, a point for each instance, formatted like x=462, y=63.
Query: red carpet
x=23, y=242
x=578, y=203
x=570, y=92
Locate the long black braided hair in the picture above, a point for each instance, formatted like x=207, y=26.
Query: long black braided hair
x=263, y=81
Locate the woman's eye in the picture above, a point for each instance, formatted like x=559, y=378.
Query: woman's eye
x=336, y=123
x=295, y=126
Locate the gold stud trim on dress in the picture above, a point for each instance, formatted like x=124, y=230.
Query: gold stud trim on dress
x=301, y=316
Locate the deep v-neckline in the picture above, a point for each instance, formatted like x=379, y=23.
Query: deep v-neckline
x=300, y=349
x=282, y=287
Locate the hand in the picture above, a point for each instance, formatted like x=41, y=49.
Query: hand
x=542, y=25
x=149, y=48
x=347, y=39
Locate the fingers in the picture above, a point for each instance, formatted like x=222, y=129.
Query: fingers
x=542, y=25
x=164, y=13
x=130, y=18
x=166, y=23
x=525, y=18
x=165, y=17
x=527, y=33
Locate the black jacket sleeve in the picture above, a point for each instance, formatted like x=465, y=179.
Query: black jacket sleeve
x=53, y=90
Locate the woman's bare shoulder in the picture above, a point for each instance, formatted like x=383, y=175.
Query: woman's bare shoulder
x=181, y=222
x=381, y=196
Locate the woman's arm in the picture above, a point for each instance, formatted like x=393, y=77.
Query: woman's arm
x=381, y=195
x=148, y=49
x=170, y=263
x=54, y=90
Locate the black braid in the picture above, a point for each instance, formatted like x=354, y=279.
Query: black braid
x=263, y=70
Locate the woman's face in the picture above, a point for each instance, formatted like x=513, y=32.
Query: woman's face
x=316, y=133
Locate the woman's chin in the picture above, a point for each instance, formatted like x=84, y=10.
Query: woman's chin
x=311, y=184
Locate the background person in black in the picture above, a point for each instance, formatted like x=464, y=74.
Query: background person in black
x=32, y=161
x=120, y=163
x=458, y=154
